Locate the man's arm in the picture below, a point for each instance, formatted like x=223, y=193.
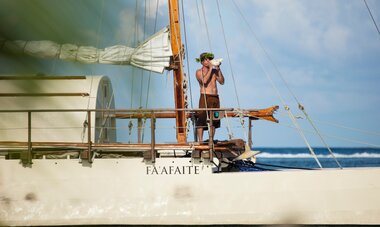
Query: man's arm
x=203, y=79
x=219, y=75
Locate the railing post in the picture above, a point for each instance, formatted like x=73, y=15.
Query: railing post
x=195, y=128
x=139, y=127
x=89, y=136
x=211, y=135
x=250, y=132
x=153, y=136
x=26, y=158
x=29, y=133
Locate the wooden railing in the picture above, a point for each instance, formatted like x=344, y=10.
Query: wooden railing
x=87, y=149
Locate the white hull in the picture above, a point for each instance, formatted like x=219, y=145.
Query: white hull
x=124, y=191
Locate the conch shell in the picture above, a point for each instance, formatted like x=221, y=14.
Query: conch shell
x=216, y=62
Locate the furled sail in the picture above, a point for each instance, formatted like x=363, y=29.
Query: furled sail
x=154, y=54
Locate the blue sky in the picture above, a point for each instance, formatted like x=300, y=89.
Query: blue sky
x=327, y=51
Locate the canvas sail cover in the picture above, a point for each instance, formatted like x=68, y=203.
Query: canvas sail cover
x=153, y=55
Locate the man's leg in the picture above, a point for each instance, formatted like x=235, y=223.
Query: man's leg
x=212, y=131
x=200, y=134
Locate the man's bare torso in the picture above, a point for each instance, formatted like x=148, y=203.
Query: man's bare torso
x=208, y=87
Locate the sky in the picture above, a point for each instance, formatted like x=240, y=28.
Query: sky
x=323, y=54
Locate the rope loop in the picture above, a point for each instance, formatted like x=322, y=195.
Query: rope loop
x=240, y=114
x=130, y=126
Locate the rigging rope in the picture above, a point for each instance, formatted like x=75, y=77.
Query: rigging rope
x=320, y=136
x=210, y=48
x=351, y=128
x=108, y=106
x=142, y=71
x=85, y=123
x=230, y=134
x=150, y=72
x=291, y=115
x=135, y=40
x=300, y=130
x=186, y=54
x=335, y=137
x=249, y=166
x=204, y=17
x=128, y=40
x=188, y=69
x=300, y=106
x=180, y=57
x=228, y=53
x=111, y=97
x=199, y=15
x=373, y=19
x=281, y=166
x=142, y=78
x=373, y=133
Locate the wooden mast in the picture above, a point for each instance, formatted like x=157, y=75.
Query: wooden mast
x=179, y=97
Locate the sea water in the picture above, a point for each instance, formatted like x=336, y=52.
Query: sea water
x=302, y=158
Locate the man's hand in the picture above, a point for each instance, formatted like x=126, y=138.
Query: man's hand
x=218, y=66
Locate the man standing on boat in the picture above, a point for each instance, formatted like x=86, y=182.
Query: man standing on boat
x=207, y=77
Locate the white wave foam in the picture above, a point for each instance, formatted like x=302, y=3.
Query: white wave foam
x=308, y=155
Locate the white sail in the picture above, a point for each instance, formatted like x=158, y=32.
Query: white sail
x=154, y=54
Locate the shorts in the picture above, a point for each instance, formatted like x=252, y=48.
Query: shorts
x=212, y=102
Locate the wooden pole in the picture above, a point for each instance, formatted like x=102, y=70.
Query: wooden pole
x=176, y=44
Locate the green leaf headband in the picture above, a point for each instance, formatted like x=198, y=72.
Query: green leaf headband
x=204, y=56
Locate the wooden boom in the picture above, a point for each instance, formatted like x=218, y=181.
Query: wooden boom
x=265, y=114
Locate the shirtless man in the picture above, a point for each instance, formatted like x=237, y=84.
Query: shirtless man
x=207, y=77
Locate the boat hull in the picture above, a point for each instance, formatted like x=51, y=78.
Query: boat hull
x=178, y=191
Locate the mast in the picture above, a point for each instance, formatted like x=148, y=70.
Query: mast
x=179, y=97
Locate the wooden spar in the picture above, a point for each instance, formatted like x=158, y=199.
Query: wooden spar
x=179, y=97
x=265, y=114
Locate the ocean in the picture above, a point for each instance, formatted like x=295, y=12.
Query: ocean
x=282, y=158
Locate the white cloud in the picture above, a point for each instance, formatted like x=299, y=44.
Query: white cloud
x=306, y=78
x=312, y=28
x=128, y=23
x=127, y=26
